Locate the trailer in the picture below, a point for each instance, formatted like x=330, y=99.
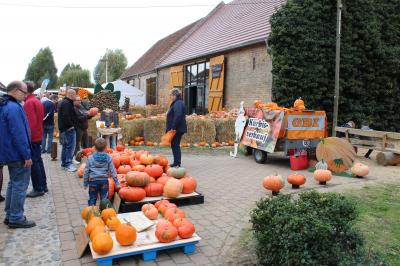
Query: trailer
x=266, y=130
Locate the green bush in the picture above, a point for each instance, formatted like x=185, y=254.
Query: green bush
x=316, y=229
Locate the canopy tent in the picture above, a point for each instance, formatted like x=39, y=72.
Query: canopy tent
x=135, y=95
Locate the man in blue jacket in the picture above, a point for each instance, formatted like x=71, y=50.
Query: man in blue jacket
x=15, y=152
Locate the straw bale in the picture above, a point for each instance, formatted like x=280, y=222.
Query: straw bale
x=225, y=129
x=154, y=128
x=153, y=110
x=199, y=129
x=138, y=109
x=92, y=130
x=132, y=128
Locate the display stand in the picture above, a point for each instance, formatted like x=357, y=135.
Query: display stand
x=111, y=135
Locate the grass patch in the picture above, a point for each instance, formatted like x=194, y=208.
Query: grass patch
x=379, y=219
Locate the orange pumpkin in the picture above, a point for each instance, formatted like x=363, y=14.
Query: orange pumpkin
x=154, y=170
x=89, y=212
x=102, y=243
x=125, y=159
x=150, y=211
x=158, y=203
x=111, y=188
x=296, y=180
x=116, y=161
x=137, y=179
x=172, y=213
x=132, y=194
x=146, y=159
x=189, y=184
x=113, y=223
x=274, y=183
x=94, y=221
x=124, y=169
x=154, y=189
x=322, y=176
x=149, y=143
x=152, y=179
x=337, y=165
x=360, y=170
x=185, y=228
x=257, y=103
x=96, y=230
x=162, y=208
x=125, y=234
x=166, y=234
x=120, y=147
x=163, y=179
x=107, y=213
x=173, y=188
x=299, y=105
x=139, y=168
x=163, y=161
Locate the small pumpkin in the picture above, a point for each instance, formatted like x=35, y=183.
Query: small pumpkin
x=96, y=230
x=299, y=105
x=165, y=206
x=139, y=168
x=360, y=170
x=166, y=234
x=107, y=213
x=189, y=184
x=124, y=169
x=150, y=211
x=321, y=165
x=154, y=189
x=158, y=203
x=93, y=211
x=172, y=213
x=94, y=221
x=296, y=180
x=85, y=212
x=132, y=194
x=120, y=147
x=274, y=183
x=185, y=228
x=102, y=243
x=125, y=234
x=322, y=176
x=113, y=222
x=177, y=172
x=154, y=170
x=173, y=188
x=146, y=159
x=137, y=179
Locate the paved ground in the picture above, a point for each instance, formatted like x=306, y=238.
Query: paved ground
x=231, y=187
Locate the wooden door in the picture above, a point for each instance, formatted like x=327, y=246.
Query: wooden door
x=216, y=84
x=176, y=77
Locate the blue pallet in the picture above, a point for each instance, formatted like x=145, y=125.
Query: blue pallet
x=150, y=254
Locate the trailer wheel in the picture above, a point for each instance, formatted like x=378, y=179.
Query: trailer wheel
x=248, y=150
x=260, y=156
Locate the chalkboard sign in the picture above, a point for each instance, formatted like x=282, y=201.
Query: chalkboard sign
x=216, y=70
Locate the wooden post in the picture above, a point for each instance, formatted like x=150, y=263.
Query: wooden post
x=388, y=158
x=54, y=151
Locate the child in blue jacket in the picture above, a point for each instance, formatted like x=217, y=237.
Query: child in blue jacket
x=99, y=167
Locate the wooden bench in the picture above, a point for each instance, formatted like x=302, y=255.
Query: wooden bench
x=387, y=143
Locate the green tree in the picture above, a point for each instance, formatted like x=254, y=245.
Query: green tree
x=117, y=63
x=42, y=67
x=302, y=46
x=74, y=75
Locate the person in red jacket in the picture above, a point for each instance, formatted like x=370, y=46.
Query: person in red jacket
x=35, y=112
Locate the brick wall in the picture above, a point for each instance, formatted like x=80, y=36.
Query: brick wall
x=248, y=76
x=163, y=89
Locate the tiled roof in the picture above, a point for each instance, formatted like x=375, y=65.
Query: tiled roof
x=236, y=24
x=151, y=58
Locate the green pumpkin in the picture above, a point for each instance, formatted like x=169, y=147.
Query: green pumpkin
x=105, y=203
x=177, y=172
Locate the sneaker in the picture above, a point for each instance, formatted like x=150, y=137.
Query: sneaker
x=75, y=161
x=1, y=198
x=71, y=168
x=46, y=190
x=34, y=194
x=25, y=224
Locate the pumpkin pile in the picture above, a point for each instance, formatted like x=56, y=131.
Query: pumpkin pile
x=132, y=116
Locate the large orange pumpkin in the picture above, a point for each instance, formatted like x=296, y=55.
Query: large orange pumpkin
x=296, y=180
x=107, y=213
x=116, y=161
x=113, y=223
x=132, y=194
x=274, y=183
x=137, y=179
x=146, y=159
x=96, y=230
x=123, y=169
x=173, y=188
x=322, y=176
x=154, y=170
x=102, y=243
x=94, y=221
x=125, y=234
x=154, y=189
x=189, y=184
x=125, y=159
x=111, y=188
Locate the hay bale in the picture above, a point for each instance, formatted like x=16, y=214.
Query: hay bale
x=153, y=110
x=225, y=129
x=92, y=129
x=132, y=128
x=199, y=129
x=138, y=109
x=154, y=128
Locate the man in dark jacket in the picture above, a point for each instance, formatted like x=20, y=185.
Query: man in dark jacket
x=82, y=125
x=66, y=125
x=15, y=147
x=176, y=120
x=48, y=122
x=34, y=112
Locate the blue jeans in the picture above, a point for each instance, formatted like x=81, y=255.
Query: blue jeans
x=16, y=191
x=38, y=175
x=176, y=148
x=67, y=140
x=47, y=134
x=96, y=187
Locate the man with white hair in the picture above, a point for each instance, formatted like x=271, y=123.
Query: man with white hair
x=66, y=125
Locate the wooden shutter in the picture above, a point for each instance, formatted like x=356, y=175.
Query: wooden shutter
x=176, y=76
x=216, y=83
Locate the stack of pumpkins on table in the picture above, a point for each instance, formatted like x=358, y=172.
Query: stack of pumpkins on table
x=321, y=174
x=144, y=175
x=100, y=222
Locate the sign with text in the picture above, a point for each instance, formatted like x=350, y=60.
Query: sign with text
x=262, y=129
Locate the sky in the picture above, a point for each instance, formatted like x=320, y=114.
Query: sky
x=82, y=35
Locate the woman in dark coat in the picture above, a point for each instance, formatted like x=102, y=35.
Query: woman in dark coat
x=176, y=120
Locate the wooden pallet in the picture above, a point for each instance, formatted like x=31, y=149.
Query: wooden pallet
x=182, y=200
x=149, y=252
